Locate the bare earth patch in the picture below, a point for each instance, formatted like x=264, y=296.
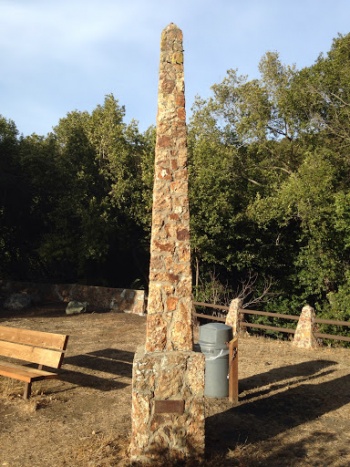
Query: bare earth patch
x=294, y=407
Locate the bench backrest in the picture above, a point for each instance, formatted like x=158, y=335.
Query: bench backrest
x=43, y=348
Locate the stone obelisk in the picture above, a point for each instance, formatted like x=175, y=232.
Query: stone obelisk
x=170, y=284
x=168, y=376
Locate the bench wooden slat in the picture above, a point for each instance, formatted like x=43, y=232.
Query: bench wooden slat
x=25, y=374
x=28, y=353
x=43, y=348
x=36, y=338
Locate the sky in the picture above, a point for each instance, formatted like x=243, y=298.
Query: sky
x=58, y=56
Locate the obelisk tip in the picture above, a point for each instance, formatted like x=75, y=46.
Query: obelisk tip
x=171, y=26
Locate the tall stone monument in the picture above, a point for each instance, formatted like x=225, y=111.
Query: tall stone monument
x=168, y=376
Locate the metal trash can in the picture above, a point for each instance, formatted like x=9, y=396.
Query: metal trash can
x=212, y=341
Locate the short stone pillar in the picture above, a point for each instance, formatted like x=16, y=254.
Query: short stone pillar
x=304, y=335
x=234, y=316
x=168, y=376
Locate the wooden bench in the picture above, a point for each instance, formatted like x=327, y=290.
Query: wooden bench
x=42, y=348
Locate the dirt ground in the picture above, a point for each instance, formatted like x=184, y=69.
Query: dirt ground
x=294, y=405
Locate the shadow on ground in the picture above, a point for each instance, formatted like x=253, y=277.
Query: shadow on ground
x=279, y=378
x=99, y=369
x=264, y=414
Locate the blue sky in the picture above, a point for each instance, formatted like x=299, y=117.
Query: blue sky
x=63, y=55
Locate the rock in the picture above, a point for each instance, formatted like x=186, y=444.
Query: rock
x=18, y=301
x=75, y=308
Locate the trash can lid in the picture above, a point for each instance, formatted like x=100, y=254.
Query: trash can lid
x=215, y=333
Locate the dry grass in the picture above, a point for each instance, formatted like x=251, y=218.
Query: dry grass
x=294, y=405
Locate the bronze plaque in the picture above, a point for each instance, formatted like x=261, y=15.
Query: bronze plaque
x=169, y=406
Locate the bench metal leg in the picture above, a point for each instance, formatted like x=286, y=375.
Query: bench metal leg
x=27, y=390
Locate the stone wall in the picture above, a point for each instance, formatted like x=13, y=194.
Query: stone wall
x=104, y=298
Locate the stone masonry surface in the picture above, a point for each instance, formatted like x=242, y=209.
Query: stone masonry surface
x=304, y=334
x=170, y=284
x=108, y=298
x=168, y=376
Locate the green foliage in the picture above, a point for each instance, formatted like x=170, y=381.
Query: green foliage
x=79, y=201
x=275, y=200
x=12, y=195
x=269, y=172
x=102, y=208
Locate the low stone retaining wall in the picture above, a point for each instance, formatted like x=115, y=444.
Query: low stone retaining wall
x=107, y=298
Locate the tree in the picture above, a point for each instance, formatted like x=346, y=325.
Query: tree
x=284, y=137
x=13, y=196
x=98, y=222
x=245, y=134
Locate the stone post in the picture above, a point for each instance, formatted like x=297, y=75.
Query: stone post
x=234, y=316
x=304, y=334
x=168, y=376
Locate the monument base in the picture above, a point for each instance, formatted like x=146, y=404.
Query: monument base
x=168, y=419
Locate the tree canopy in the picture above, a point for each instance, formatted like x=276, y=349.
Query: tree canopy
x=269, y=172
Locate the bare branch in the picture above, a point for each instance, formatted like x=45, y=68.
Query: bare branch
x=248, y=288
x=254, y=182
